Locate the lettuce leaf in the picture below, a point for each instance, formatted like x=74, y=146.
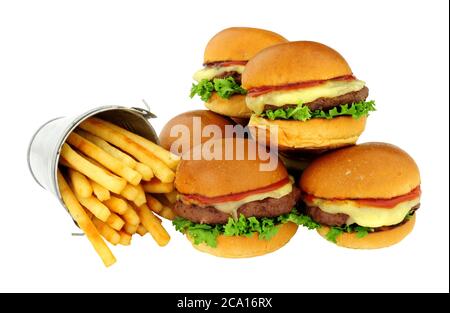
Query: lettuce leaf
x=304, y=113
x=336, y=231
x=225, y=88
x=265, y=227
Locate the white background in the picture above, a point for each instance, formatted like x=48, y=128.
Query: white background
x=61, y=58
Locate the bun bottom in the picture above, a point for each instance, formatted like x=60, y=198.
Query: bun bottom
x=374, y=240
x=314, y=134
x=235, y=106
x=247, y=247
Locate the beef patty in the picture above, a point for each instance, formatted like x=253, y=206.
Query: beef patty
x=236, y=76
x=269, y=207
x=329, y=103
x=339, y=219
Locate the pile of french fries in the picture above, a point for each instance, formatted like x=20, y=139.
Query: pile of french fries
x=113, y=181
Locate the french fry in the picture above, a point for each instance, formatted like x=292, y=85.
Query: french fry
x=118, y=154
x=115, y=221
x=83, y=221
x=130, y=216
x=168, y=213
x=130, y=192
x=80, y=183
x=95, y=207
x=154, y=204
x=63, y=162
x=104, y=158
x=108, y=180
x=171, y=196
x=116, y=205
x=145, y=171
x=159, y=168
x=100, y=192
x=125, y=238
x=106, y=231
x=130, y=229
x=156, y=186
x=170, y=159
x=141, y=230
x=140, y=198
x=153, y=226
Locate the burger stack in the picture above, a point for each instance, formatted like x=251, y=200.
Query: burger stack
x=302, y=98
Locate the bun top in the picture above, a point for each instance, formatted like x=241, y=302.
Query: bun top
x=239, y=44
x=187, y=119
x=240, y=172
x=370, y=170
x=294, y=62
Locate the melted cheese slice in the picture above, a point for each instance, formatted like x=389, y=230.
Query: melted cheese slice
x=279, y=98
x=364, y=215
x=211, y=72
x=231, y=207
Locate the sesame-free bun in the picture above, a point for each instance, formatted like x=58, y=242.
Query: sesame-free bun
x=246, y=247
x=187, y=119
x=313, y=134
x=294, y=62
x=239, y=44
x=371, y=170
x=235, y=106
x=376, y=240
x=240, y=172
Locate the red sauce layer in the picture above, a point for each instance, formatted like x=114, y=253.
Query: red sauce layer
x=380, y=203
x=236, y=196
x=257, y=91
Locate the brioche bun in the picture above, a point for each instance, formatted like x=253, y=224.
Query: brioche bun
x=239, y=44
x=212, y=178
x=246, y=247
x=376, y=240
x=294, y=62
x=313, y=134
x=235, y=106
x=371, y=170
x=187, y=119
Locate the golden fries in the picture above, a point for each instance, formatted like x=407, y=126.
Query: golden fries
x=130, y=216
x=156, y=186
x=104, y=158
x=100, y=192
x=110, y=170
x=125, y=158
x=94, y=206
x=83, y=221
x=115, y=221
x=130, y=229
x=98, y=128
x=154, y=204
x=145, y=170
x=171, y=196
x=153, y=226
x=106, y=231
x=80, y=183
x=167, y=157
x=125, y=238
x=130, y=192
x=109, y=181
x=140, y=198
x=116, y=205
x=141, y=230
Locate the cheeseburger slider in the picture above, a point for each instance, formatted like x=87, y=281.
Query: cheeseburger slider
x=309, y=93
x=225, y=57
x=363, y=197
x=189, y=128
x=230, y=207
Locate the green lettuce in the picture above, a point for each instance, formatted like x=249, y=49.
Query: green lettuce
x=225, y=88
x=265, y=227
x=304, y=113
x=360, y=231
